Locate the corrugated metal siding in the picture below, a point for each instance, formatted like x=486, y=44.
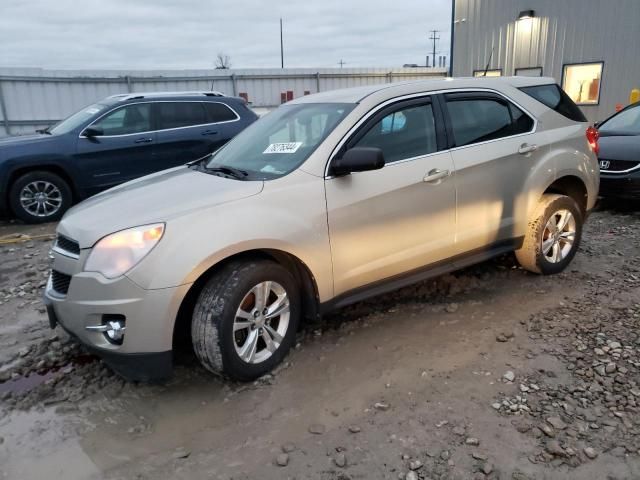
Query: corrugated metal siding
x=34, y=98
x=562, y=32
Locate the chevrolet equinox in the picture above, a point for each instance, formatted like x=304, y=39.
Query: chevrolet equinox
x=328, y=200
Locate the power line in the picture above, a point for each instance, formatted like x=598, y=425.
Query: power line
x=341, y=63
x=434, y=38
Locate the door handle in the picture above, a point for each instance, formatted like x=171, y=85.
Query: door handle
x=526, y=148
x=209, y=132
x=435, y=175
x=144, y=140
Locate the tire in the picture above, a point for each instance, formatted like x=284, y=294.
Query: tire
x=558, y=250
x=56, y=200
x=217, y=346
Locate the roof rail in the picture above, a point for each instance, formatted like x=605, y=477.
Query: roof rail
x=130, y=96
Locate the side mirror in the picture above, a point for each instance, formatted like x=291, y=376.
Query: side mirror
x=358, y=159
x=91, y=132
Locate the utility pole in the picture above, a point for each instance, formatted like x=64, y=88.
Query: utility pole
x=434, y=38
x=341, y=63
x=281, y=47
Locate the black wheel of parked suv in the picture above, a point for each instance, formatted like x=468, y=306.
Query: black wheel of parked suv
x=245, y=319
x=40, y=196
x=553, y=235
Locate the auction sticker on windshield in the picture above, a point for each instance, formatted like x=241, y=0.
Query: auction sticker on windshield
x=288, y=147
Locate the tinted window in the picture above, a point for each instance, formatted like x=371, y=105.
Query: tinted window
x=130, y=119
x=219, y=112
x=482, y=119
x=626, y=122
x=554, y=97
x=180, y=114
x=405, y=133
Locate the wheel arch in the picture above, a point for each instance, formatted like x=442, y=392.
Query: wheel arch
x=300, y=271
x=571, y=186
x=17, y=171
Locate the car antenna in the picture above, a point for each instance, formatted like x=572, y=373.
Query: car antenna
x=488, y=63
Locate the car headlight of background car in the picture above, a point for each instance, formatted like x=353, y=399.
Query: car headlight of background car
x=119, y=252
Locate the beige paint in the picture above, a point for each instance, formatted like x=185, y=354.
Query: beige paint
x=348, y=231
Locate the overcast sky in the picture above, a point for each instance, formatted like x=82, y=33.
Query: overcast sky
x=145, y=34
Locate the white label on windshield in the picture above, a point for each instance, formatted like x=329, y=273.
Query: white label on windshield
x=289, y=147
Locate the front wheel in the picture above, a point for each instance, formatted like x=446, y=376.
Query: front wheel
x=245, y=319
x=39, y=196
x=553, y=235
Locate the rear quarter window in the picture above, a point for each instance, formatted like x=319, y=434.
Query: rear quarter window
x=554, y=97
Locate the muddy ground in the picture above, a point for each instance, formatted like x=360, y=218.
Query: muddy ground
x=490, y=373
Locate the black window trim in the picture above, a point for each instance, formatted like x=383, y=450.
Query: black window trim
x=154, y=121
x=482, y=70
x=515, y=71
x=377, y=113
x=482, y=94
x=436, y=96
x=593, y=62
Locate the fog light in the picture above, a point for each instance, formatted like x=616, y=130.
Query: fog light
x=113, y=327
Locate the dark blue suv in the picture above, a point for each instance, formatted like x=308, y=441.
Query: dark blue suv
x=115, y=140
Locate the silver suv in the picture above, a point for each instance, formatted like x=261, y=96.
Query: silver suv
x=328, y=200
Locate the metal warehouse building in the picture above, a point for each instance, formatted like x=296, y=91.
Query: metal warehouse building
x=588, y=46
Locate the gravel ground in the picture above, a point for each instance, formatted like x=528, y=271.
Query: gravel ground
x=487, y=373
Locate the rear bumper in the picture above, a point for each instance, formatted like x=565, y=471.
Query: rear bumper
x=620, y=185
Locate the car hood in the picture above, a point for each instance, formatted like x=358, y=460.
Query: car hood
x=619, y=147
x=152, y=199
x=22, y=139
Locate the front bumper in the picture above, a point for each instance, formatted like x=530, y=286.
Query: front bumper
x=146, y=350
x=626, y=185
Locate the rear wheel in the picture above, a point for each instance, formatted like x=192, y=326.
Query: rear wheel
x=40, y=196
x=245, y=319
x=553, y=235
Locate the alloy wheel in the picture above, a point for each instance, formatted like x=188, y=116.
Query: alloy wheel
x=261, y=322
x=558, y=236
x=41, y=198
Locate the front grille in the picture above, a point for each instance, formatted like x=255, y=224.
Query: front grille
x=618, y=165
x=68, y=245
x=60, y=282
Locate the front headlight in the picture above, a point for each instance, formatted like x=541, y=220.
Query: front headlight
x=119, y=252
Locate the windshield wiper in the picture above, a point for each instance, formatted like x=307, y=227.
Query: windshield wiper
x=230, y=171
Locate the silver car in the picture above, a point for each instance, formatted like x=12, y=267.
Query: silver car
x=328, y=200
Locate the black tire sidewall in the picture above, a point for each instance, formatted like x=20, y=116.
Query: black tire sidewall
x=18, y=185
x=561, y=203
x=232, y=293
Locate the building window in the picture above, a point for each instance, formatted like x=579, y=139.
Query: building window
x=529, y=72
x=582, y=82
x=496, y=72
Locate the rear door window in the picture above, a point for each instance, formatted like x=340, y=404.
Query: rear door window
x=180, y=114
x=475, y=120
x=554, y=97
x=219, y=112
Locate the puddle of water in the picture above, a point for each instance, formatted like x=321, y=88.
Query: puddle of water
x=26, y=383
x=23, y=384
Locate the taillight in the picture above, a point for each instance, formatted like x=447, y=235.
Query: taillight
x=592, y=138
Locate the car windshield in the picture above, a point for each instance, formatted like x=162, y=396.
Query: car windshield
x=77, y=119
x=624, y=123
x=281, y=141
